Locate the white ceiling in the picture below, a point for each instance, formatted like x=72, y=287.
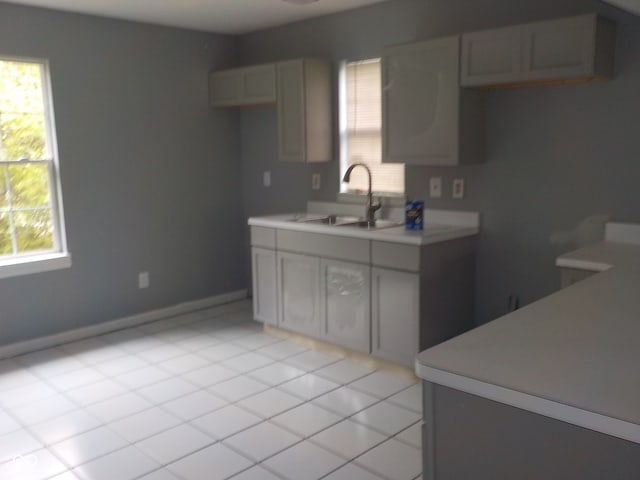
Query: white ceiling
x=632, y=6
x=220, y=16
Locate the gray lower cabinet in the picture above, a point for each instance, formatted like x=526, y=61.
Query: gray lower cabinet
x=387, y=299
x=470, y=437
x=573, y=48
x=426, y=118
x=395, y=319
x=345, y=293
x=299, y=293
x=263, y=265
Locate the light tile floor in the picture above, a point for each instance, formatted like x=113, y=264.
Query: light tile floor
x=204, y=396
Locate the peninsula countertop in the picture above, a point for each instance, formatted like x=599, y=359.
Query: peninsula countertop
x=572, y=356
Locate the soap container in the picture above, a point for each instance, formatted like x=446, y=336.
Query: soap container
x=413, y=215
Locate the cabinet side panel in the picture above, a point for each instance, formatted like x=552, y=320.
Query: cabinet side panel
x=395, y=300
x=605, y=47
x=291, y=114
x=318, y=132
x=479, y=439
x=264, y=286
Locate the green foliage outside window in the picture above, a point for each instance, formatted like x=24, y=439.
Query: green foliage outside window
x=26, y=223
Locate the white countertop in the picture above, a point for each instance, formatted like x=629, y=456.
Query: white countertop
x=432, y=233
x=573, y=356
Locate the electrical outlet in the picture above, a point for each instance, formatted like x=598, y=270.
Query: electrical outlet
x=266, y=178
x=315, y=181
x=435, y=187
x=458, y=188
x=143, y=280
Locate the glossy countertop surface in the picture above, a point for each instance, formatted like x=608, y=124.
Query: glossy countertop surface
x=433, y=232
x=573, y=356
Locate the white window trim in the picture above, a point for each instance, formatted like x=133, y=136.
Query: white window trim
x=35, y=262
x=38, y=263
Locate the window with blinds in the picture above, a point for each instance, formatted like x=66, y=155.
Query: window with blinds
x=361, y=130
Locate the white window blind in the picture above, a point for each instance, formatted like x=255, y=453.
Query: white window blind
x=361, y=129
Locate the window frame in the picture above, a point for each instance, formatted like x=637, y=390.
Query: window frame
x=59, y=256
x=345, y=193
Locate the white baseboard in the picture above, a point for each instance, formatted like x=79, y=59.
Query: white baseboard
x=49, y=341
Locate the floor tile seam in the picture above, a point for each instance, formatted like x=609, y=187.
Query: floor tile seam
x=385, y=397
x=256, y=462
x=352, y=462
x=376, y=429
x=351, y=459
x=406, y=442
x=273, y=385
x=326, y=377
x=27, y=426
x=309, y=399
x=165, y=465
x=345, y=462
x=49, y=446
x=259, y=464
x=304, y=436
x=246, y=372
x=74, y=470
x=73, y=467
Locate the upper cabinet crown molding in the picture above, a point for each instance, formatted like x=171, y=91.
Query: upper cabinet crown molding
x=573, y=49
x=255, y=85
x=427, y=119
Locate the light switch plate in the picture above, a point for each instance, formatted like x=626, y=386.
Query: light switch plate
x=435, y=187
x=458, y=188
x=266, y=178
x=315, y=181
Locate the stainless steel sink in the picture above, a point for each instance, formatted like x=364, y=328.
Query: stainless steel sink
x=328, y=220
x=346, y=221
x=377, y=225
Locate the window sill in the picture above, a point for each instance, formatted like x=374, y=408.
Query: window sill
x=387, y=199
x=27, y=265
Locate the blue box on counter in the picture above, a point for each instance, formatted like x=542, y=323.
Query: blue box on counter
x=413, y=215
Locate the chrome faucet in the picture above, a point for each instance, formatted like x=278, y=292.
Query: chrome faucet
x=371, y=207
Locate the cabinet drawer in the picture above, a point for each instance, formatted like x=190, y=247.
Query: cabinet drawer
x=263, y=237
x=330, y=246
x=397, y=256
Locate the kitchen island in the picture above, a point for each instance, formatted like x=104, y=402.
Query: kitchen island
x=549, y=391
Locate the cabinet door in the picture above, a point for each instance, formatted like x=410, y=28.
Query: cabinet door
x=263, y=265
x=395, y=300
x=258, y=84
x=420, y=102
x=299, y=293
x=243, y=86
x=291, y=111
x=345, y=309
x=559, y=48
x=491, y=57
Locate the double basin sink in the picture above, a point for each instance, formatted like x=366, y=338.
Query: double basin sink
x=345, y=221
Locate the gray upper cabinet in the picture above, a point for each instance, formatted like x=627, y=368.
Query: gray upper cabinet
x=575, y=48
x=254, y=85
x=491, y=57
x=304, y=110
x=426, y=118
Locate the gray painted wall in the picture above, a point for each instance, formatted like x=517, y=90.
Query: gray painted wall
x=151, y=178
x=555, y=155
